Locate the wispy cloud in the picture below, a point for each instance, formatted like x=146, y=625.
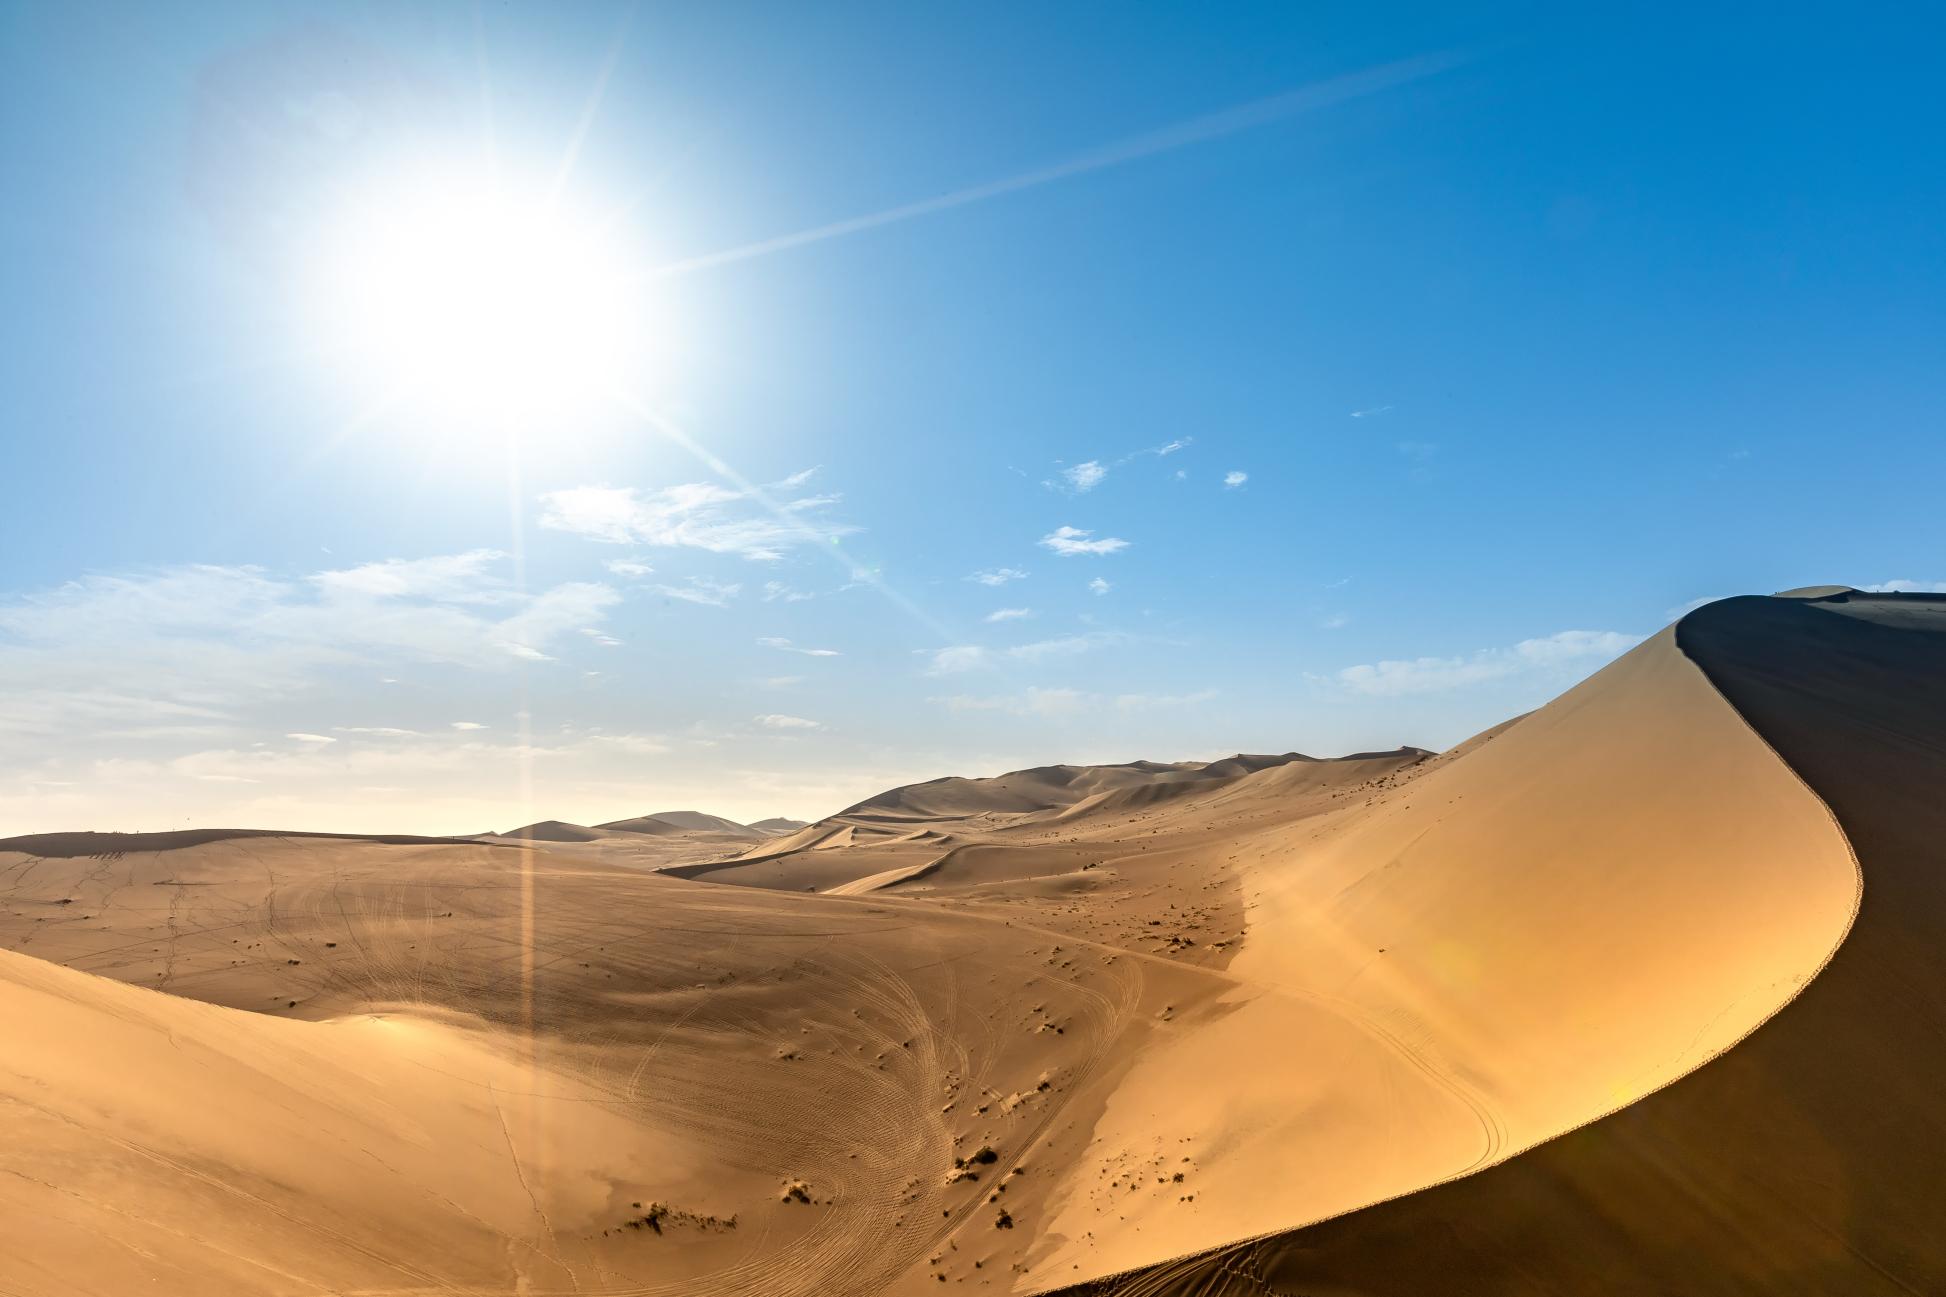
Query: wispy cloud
x=1009, y=614
x=1100, y=586
x=1336, y=621
x=779, y=721
x=778, y=592
x=302, y=737
x=468, y=725
x=627, y=567
x=1565, y=652
x=697, y=515
x=974, y=657
x=1029, y=702
x=1374, y=412
x=997, y=575
x=1906, y=587
x=1036, y=701
x=194, y=645
x=714, y=594
x=1235, y=478
x=1085, y=476
x=453, y=578
x=1071, y=541
x=772, y=641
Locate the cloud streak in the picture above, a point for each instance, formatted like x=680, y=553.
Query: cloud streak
x=694, y=515
x=1564, y=652
x=1070, y=542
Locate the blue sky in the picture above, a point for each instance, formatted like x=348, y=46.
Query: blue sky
x=1420, y=361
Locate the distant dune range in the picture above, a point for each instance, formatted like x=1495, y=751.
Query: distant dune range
x=1644, y=992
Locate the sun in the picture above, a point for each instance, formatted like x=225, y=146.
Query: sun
x=474, y=302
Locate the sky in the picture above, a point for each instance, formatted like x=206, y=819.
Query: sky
x=430, y=418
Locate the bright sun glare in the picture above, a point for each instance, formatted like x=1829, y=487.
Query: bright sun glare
x=468, y=301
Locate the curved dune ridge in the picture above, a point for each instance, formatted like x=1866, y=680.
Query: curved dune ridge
x=1810, y=1158
x=1570, y=1008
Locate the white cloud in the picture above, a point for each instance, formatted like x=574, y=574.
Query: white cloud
x=1029, y=702
x=1374, y=411
x=698, y=515
x=1563, y=652
x=640, y=745
x=454, y=578
x=552, y=614
x=377, y=731
x=1143, y=702
x=601, y=637
x=960, y=657
x=1084, y=477
x=973, y=657
x=776, y=642
x=777, y=590
x=1336, y=621
x=1235, y=478
x=1100, y=586
x=199, y=645
x=1070, y=541
x=778, y=721
x=468, y=725
x=1906, y=587
x=714, y=594
x=311, y=738
x=796, y=479
x=1036, y=701
x=997, y=575
x=627, y=567
x=1009, y=614
x=1170, y=448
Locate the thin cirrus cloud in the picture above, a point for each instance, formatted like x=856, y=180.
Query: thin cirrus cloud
x=1566, y=652
x=1235, y=478
x=695, y=515
x=996, y=576
x=777, y=642
x=1036, y=701
x=701, y=590
x=779, y=721
x=1069, y=542
x=1009, y=614
x=959, y=658
x=1085, y=476
x=194, y=645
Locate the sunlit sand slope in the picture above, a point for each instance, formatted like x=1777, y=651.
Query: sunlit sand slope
x=1542, y=926
x=1811, y=1157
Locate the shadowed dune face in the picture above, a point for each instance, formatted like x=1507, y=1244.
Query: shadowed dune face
x=1806, y=1159
x=1162, y=1008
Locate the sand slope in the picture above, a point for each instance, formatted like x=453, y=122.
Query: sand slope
x=1811, y=1157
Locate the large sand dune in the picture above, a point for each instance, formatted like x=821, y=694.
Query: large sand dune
x=1562, y=1002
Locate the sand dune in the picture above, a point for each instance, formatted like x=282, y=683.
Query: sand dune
x=1562, y=1002
x=1806, y=1159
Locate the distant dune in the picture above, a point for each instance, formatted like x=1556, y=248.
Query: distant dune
x=1638, y=993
